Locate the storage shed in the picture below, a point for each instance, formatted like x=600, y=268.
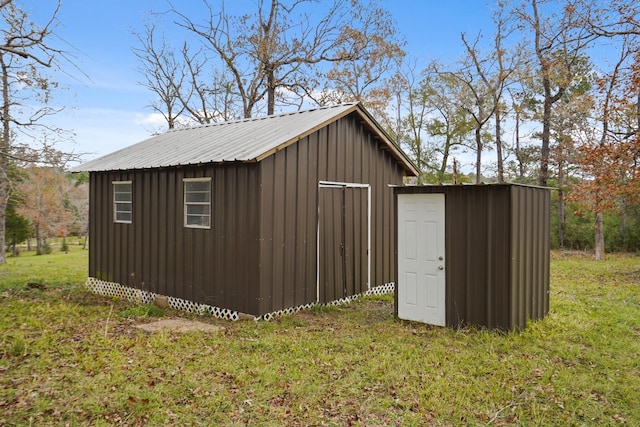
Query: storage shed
x=257, y=216
x=473, y=254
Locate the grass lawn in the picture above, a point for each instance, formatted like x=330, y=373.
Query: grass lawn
x=70, y=357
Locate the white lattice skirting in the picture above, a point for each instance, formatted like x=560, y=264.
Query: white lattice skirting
x=378, y=290
x=139, y=296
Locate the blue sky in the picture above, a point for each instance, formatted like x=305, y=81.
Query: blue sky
x=107, y=109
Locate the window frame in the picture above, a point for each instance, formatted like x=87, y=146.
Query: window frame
x=187, y=204
x=116, y=211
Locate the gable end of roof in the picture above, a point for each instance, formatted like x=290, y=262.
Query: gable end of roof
x=246, y=140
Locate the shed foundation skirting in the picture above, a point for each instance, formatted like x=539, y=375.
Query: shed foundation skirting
x=111, y=289
x=140, y=296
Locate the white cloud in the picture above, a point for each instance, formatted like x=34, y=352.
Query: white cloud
x=99, y=131
x=150, y=119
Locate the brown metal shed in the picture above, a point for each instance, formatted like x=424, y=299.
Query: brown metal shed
x=256, y=216
x=473, y=254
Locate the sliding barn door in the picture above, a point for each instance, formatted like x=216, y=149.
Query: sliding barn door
x=343, y=240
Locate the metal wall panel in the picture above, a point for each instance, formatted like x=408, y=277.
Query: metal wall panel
x=497, y=253
x=260, y=254
x=342, y=224
x=343, y=151
x=217, y=266
x=531, y=249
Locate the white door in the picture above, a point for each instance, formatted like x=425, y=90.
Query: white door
x=421, y=263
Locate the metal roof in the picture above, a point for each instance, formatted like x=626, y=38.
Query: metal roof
x=248, y=140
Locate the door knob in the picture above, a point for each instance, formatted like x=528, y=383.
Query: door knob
x=440, y=268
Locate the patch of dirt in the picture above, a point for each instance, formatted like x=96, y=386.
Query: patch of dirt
x=179, y=325
x=305, y=315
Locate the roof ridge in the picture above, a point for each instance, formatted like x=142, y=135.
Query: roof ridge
x=255, y=119
x=246, y=140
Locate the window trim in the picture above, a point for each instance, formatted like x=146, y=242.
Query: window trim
x=185, y=181
x=114, y=184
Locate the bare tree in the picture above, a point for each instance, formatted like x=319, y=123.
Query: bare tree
x=282, y=54
x=570, y=122
x=372, y=75
x=24, y=52
x=410, y=128
x=523, y=105
x=164, y=74
x=477, y=95
x=187, y=88
x=508, y=62
x=447, y=122
x=559, y=41
x=487, y=75
x=609, y=19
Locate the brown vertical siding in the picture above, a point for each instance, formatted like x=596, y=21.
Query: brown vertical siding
x=497, y=253
x=531, y=248
x=288, y=203
x=260, y=254
x=331, y=237
x=343, y=242
x=217, y=266
x=343, y=151
x=356, y=240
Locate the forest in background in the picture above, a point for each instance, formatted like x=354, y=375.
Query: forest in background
x=549, y=96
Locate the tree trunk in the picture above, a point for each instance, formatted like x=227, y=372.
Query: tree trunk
x=4, y=158
x=499, y=147
x=623, y=225
x=561, y=219
x=4, y=199
x=478, y=155
x=271, y=92
x=518, y=150
x=561, y=206
x=455, y=171
x=543, y=176
x=39, y=248
x=445, y=160
x=599, y=226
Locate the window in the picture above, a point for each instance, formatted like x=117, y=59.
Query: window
x=197, y=202
x=122, y=206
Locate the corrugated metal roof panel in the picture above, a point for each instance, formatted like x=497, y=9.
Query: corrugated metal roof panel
x=244, y=140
